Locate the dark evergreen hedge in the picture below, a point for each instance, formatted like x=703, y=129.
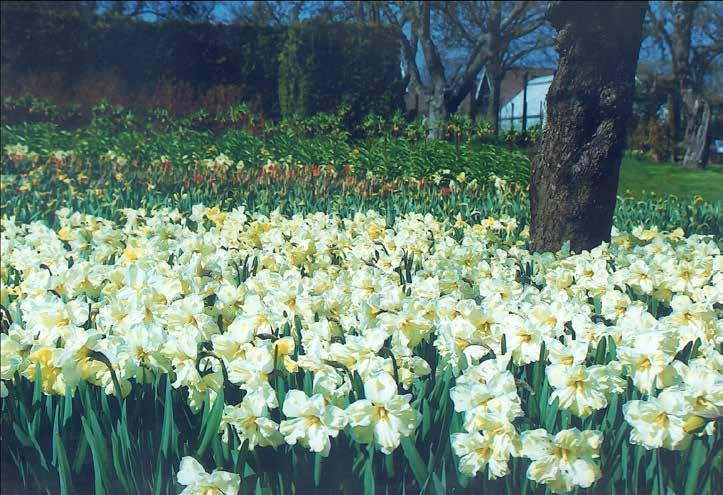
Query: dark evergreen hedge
x=321, y=65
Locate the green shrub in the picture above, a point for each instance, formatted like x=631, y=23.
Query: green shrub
x=323, y=66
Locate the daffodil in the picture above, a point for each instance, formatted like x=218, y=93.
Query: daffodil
x=384, y=416
x=659, y=421
x=252, y=423
x=493, y=443
x=648, y=359
x=564, y=461
x=197, y=481
x=582, y=389
x=311, y=421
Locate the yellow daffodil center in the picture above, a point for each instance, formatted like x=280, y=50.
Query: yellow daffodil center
x=662, y=420
x=561, y=453
x=380, y=413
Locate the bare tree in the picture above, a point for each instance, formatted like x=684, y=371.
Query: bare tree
x=690, y=33
x=491, y=34
x=515, y=31
x=86, y=9
x=187, y=10
x=485, y=31
x=268, y=13
x=575, y=171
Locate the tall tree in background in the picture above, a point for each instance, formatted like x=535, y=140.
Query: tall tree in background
x=268, y=13
x=515, y=31
x=487, y=31
x=185, y=10
x=575, y=171
x=85, y=9
x=690, y=32
x=494, y=35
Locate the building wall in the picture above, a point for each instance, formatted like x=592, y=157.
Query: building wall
x=511, y=113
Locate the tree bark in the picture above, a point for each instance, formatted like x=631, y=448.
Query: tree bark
x=493, y=107
x=697, y=135
x=575, y=171
x=673, y=123
x=436, y=112
x=695, y=109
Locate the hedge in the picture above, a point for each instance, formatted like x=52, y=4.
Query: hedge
x=321, y=65
x=322, y=62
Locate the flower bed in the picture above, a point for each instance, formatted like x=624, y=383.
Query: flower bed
x=318, y=352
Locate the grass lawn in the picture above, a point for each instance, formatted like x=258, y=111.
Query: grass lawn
x=668, y=178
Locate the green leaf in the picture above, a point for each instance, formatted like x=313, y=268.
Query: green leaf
x=66, y=483
x=369, y=479
x=168, y=424
x=415, y=461
x=211, y=425
x=317, y=469
x=67, y=405
x=38, y=386
x=695, y=465
x=426, y=419
x=97, y=461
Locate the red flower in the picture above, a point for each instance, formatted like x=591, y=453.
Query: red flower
x=350, y=180
x=315, y=171
x=446, y=190
x=197, y=178
x=347, y=169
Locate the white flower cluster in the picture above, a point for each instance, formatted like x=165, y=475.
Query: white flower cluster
x=20, y=152
x=115, y=159
x=220, y=164
x=249, y=297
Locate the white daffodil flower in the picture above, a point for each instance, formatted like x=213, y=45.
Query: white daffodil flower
x=384, y=417
x=312, y=422
x=198, y=482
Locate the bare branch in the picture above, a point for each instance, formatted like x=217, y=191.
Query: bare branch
x=431, y=54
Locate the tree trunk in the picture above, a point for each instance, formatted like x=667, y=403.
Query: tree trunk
x=473, y=105
x=493, y=106
x=697, y=135
x=436, y=112
x=695, y=109
x=673, y=124
x=575, y=171
x=453, y=99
